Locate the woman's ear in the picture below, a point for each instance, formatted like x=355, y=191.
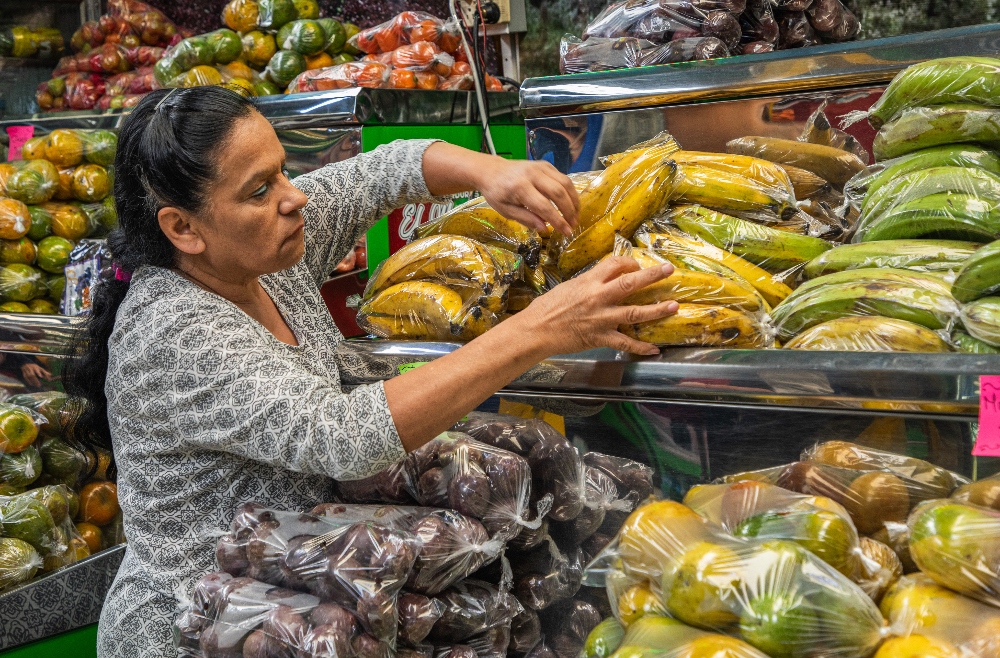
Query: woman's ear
x=177, y=226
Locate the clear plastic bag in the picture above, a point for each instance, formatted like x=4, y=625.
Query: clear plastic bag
x=603, y=639
x=556, y=466
x=663, y=637
x=958, y=545
x=829, y=163
x=417, y=616
x=774, y=595
x=925, y=127
x=471, y=608
x=916, y=297
x=21, y=41
x=819, y=130
x=764, y=511
x=795, y=30
x=149, y=23
x=930, y=256
x=205, y=50
x=359, y=565
x=984, y=492
x=389, y=486
x=734, y=184
x=981, y=319
x=880, y=568
x=601, y=496
x=349, y=74
x=663, y=21
x=759, y=26
x=32, y=182
x=547, y=574
x=868, y=334
x=407, y=27
x=19, y=562
x=601, y=54
x=107, y=59
x=228, y=616
x=917, y=606
x=422, y=310
x=937, y=82
x=525, y=631
x=687, y=50
x=634, y=482
x=566, y=626
x=40, y=518
x=475, y=479
x=833, y=21
x=475, y=219
x=451, y=546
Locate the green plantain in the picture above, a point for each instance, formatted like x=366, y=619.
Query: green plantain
x=918, y=255
x=947, y=216
x=950, y=155
x=966, y=343
x=980, y=275
x=981, y=319
x=924, y=127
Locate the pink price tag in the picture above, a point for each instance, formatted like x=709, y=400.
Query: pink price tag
x=18, y=136
x=988, y=440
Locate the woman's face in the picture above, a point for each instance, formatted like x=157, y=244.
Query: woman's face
x=251, y=224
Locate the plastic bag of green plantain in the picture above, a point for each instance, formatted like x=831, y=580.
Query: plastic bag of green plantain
x=921, y=298
x=963, y=342
x=476, y=219
x=981, y=319
x=772, y=594
x=937, y=82
x=947, y=216
x=979, y=276
x=926, y=127
x=876, y=176
x=941, y=256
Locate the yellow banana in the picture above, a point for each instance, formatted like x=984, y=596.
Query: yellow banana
x=716, y=188
x=762, y=172
x=626, y=172
x=442, y=258
x=477, y=220
x=698, y=325
x=869, y=334
x=672, y=241
x=687, y=286
x=805, y=183
x=520, y=295
x=638, y=204
x=415, y=310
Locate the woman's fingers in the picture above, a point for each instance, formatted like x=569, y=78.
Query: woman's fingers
x=648, y=313
x=521, y=215
x=631, y=279
x=567, y=201
x=621, y=342
x=540, y=205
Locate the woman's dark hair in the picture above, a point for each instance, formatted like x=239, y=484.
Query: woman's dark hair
x=167, y=149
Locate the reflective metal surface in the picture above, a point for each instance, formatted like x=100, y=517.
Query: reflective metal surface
x=822, y=67
x=307, y=149
x=38, y=334
x=325, y=108
x=577, y=142
x=927, y=385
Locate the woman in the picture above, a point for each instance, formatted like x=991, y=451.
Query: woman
x=210, y=362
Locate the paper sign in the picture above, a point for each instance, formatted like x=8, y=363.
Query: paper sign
x=18, y=136
x=407, y=367
x=988, y=439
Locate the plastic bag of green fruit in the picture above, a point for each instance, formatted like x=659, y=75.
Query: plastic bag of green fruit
x=662, y=637
x=270, y=15
x=984, y=492
x=772, y=594
x=928, y=619
x=66, y=147
x=958, y=545
x=204, y=50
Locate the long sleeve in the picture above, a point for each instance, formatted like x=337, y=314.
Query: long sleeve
x=231, y=391
x=347, y=198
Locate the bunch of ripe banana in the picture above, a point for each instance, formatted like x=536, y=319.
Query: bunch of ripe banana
x=441, y=287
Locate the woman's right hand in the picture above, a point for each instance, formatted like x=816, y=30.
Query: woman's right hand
x=585, y=312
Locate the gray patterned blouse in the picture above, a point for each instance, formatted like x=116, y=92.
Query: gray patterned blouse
x=208, y=409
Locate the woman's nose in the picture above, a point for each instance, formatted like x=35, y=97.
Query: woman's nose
x=293, y=200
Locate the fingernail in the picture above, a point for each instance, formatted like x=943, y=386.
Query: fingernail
x=653, y=352
x=673, y=307
x=668, y=269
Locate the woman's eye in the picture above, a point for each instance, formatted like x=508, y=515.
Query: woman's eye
x=260, y=191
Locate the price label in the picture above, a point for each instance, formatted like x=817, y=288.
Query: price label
x=988, y=438
x=407, y=367
x=18, y=136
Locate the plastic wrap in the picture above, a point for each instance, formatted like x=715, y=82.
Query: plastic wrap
x=15, y=219
x=819, y=130
x=421, y=310
x=417, y=616
x=566, y=626
x=868, y=334
x=937, y=82
x=219, y=47
x=475, y=219
x=350, y=74
x=922, y=299
x=233, y=617
x=958, y=546
x=451, y=546
x=407, y=27
x=917, y=606
x=19, y=562
x=704, y=326
x=981, y=319
x=941, y=256
x=833, y=21
x=107, y=59
x=686, y=50
x=764, y=511
x=601, y=496
x=663, y=21
x=556, y=466
x=759, y=27
x=360, y=565
x=41, y=519
x=603, y=639
x=32, y=182
x=389, y=486
x=939, y=482
x=547, y=574
x=472, y=608
x=270, y=15
x=525, y=631
x=634, y=482
x=733, y=183
x=663, y=637
x=771, y=249
x=774, y=595
x=984, y=492
x=829, y=163
x=795, y=30
x=601, y=54
x=880, y=568
x=149, y=23
x=926, y=127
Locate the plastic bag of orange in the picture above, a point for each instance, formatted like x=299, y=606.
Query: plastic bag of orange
x=456, y=83
x=349, y=74
x=99, y=503
x=15, y=220
x=423, y=56
x=405, y=28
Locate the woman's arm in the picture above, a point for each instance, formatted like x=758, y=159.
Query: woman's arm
x=582, y=313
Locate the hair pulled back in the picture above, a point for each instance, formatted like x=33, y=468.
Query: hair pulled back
x=167, y=151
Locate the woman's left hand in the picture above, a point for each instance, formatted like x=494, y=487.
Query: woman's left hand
x=533, y=193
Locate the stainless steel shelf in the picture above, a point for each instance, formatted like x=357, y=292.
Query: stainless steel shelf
x=944, y=385
x=822, y=67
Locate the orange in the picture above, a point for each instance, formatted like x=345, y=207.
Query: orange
x=99, y=503
x=91, y=182
x=33, y=149
x=427, y=80
x=15, y=219
x=6, y=169
x=64, y=191
x=64, y=148
x=17, y=429
x=402, y=79
x=318, y=61
x=68, y=221
x=91, y=534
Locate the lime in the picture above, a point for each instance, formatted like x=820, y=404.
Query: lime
x=41, y=223
x=61, y=459
x=275, y=13
x=53, y=253
x=19, y=282
x=42, y=307
x=99, y=147
x=306, y=8
x=56, y=500
x=778, y=624
x=55, y=286
x=336, y=37
x=14, y=307
x=193, y=51
x=22, y=468
x=226, y=46
x=19, y=562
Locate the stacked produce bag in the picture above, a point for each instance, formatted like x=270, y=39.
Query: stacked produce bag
x=473, y=545
x=112, y=64
x=57, y=195
x=56, y=505
x=792, y=561
x=631, y=33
